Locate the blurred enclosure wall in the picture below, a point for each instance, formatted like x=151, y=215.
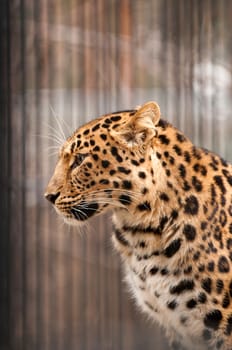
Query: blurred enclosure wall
x=64, y=62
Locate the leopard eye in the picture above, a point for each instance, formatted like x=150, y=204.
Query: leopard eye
x=78, y=160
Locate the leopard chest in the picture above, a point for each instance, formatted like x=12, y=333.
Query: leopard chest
x=151, y=282
x=157, y=290
x=164, y=290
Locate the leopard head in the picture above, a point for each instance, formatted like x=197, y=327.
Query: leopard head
x=104, y=164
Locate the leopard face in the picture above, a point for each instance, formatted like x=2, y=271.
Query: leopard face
x=103, y=165
x=172, y=217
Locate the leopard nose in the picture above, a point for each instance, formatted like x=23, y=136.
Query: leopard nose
x=52, y=197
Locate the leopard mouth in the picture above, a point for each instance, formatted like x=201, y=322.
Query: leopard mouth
x=83, y=211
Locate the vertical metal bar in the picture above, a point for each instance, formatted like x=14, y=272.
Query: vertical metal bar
x=92, y=287
x=194, y=76
x=67, y=117
x=17, y=181
x=48, y=9
x=102, y=86
x=112, y=65
x=84, y=83
x=206, y=49
x=59, y=91
x=44, y=124
x=79, y=248
x=227, y=10
x=219, y=92
x=5, y=174
x=181, y=68
x=125, y=54
x=23, y=176
x=167, y=59
x=38, y=160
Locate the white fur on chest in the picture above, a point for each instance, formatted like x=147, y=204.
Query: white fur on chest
x=152, y=295
x=151, y=292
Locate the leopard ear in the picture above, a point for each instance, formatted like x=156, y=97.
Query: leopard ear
x=141, y=127
x=147, y=116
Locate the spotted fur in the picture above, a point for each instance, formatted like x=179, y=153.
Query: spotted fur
x=172, y=217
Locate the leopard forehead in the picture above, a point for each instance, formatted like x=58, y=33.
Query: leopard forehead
x=96, y=132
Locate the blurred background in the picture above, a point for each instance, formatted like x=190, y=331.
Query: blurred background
x=65, y=62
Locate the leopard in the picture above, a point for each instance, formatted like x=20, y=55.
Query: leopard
x=171, y=207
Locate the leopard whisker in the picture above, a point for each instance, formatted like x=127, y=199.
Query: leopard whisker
x=135, y=195
x=79, y=211
x=54, y=132
x=52, y=154
x=55, y=150
x=55, y=116
x=67, y=126
x=108, y=201
x=53, y=138
x=95, y=195
x=53, y=147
